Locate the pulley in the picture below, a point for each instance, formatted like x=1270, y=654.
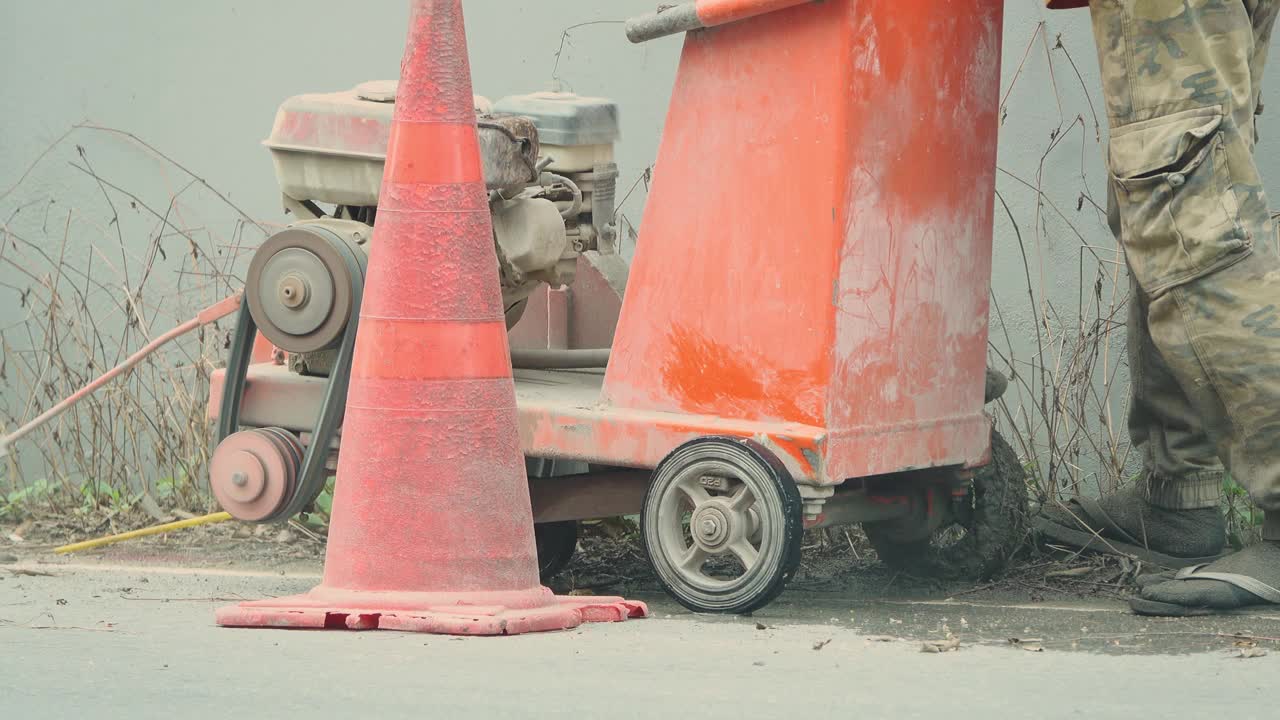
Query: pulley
x=253, y=473
x=263, y=475
x=299, y=288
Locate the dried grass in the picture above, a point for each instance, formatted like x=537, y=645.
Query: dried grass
x=93, y=281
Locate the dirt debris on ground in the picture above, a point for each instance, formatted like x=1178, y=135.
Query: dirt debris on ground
x=610, y=560
x=221, y=544
x=840, y=561
x=1040, y=607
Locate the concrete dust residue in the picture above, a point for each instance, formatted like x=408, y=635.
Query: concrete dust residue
x=140, y=643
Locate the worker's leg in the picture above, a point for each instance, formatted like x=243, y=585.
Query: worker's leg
x=1181, y=82
x=1171, y=517
x=1181, y=469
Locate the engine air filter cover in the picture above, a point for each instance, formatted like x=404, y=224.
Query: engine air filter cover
x=566, y=119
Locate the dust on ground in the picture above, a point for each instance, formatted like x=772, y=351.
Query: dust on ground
x=837, y=562
x=227, y=544
x=1047, y=602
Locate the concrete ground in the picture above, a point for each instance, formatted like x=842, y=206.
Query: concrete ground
x=111, y=641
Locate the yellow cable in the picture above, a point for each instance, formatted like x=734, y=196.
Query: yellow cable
x=154, y=530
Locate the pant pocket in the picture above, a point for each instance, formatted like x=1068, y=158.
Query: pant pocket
x=1179, y=215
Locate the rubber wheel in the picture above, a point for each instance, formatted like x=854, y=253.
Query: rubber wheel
x=722, y=525
x=556, y=543
x=979, y=548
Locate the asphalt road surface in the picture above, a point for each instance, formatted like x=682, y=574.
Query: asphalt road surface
x=100, y=641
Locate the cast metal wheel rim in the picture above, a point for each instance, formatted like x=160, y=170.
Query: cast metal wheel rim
x=717, y=509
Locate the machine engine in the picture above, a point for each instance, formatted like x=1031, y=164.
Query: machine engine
x=548, y=161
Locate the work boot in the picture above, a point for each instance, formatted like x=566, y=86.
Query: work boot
x=1127, y=524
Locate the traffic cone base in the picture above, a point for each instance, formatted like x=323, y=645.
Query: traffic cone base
x=481, y=613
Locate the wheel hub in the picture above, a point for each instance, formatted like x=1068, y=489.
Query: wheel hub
x=294, y=291
x=302, y=288
x=247, y=476
x=711, y=526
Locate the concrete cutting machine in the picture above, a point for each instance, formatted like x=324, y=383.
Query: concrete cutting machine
x=799, y=342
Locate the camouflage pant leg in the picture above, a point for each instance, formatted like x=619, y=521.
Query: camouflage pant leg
x=1180, y=460
x=1181, y=80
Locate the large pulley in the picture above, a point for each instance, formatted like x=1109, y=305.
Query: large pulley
x=316, y=278
x=299, y=288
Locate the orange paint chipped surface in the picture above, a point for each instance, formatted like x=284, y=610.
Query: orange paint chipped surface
x=728, y=307
x=816, y=245
x=915, y=264
x=699, y=370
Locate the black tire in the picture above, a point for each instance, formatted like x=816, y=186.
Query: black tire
x=774, y=516
x=556, y=543
x=994, y=531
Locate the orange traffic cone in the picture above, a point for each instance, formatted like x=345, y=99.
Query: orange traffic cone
x=432, y=529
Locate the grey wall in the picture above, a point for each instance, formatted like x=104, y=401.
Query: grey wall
x=202, y=81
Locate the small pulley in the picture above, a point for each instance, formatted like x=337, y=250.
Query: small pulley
x=253, y=473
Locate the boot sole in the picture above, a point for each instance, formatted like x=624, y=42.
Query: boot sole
x=1154, y=608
